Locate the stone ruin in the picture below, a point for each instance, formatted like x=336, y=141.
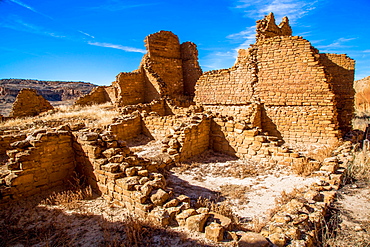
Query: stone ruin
x=280, y=90
x=29, y=103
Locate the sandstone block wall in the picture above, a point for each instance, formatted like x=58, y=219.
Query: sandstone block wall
x=306, y=97
x=232, y=86
x=129, y=88
x=189, y=139
x=98, y=95
x=340, y=70
x=7, y=140
x=168, y=70
x=127, y=128
x=295, y=91
x=29, y=103
x=159, y=127
x=190, y=67
x=43, y=161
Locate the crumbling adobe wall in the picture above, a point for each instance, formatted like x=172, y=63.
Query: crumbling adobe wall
x=299, y=103
x=129, y=88
x=340, y=70
x=189, y=139
x=306, y=97
x=98, y=95
x=127, y=128
x=190, y=67
x=29, y=103
x=168, y=70
x=232, y=86
x=43, y=161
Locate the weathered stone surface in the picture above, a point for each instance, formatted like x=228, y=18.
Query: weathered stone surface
x=159, y=197
x=214, y=232
x=29, y=103
x=181, y=218
x=197, y=222
x=252, y=239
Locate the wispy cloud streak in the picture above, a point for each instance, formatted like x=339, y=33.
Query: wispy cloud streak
x=29, y=8
x=16, y=23
x=86, y=34
x=295, y=9
x=119, y=47
x=337, y=44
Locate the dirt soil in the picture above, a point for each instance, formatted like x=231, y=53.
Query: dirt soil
x=351, y=219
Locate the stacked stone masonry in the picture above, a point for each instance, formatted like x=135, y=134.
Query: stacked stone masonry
x=29, y=103
x=306, y=97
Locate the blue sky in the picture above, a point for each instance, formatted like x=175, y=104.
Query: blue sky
x=92, y=41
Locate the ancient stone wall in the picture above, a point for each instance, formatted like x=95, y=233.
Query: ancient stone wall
x=190, y=67
x=166, y=71
x=129, y=88
x=340, y=71
x=295, y=91
x=232, y=86
x=250, y=114
x=43, y=161
x=127, y=128
x=158, y=127
x=7, y=140
x=98, y=95
x=189, y=139
x=29, y=103
x=306, y=97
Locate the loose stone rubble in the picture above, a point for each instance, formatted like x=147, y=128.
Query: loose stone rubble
x=280, y=91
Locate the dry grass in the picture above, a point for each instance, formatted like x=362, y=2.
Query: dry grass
x=323, y=152
x=69, y=198
x=233, y=191
x=359, y=169
x=93, y=116
x=305, y=168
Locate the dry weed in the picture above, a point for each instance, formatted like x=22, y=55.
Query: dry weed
x=323, y=152
x=305, y=168
x=69, y=198
x=285, y=197
x=233, y=191
x=359, y=168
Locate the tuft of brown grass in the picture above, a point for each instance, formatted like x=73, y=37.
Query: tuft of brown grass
x=233, y=191
x=359, y=168
x=306, y=167
x=69, y=198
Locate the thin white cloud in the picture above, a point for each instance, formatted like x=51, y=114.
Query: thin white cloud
x=29, y=8
x=294, y=9
x=247, y=37
x=366, y=51
x=16, y=23
x=88, y=35
x=119, y=47
x=337, y=44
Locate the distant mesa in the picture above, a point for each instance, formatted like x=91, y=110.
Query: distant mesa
x=54, y=91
